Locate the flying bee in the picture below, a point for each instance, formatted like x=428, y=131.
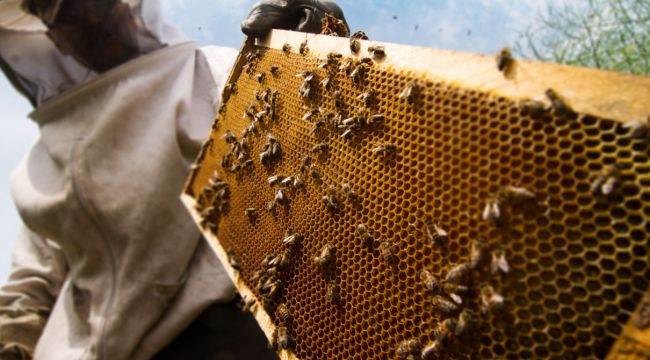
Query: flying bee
x=230, y=137
x=251, y=213
x=409, y=349
x=377, y=51
x=304, y=49
x=444, y=305
x=260, y=77
x=607, y=180
x=476, y=253
x=286, y=49
x=518, y=194
x=283, y=314
x=385, y=150
x=435, y=234
x=465, y=322
x=351, y=194
x=274, y=70
x=275, y=179
x=638, y=129
x=292, y=240
x=492, y=211
x=432, y=350
x=504, y=60
x=557, y=103
x=232, y=260
x=282, y=336
x=376, y=119
x=457, y=273
x=499, y=262
x=368, y=97
x=490, y=299
x=281, y=198
x=321, y=148
x=325, y=259
x=410, y=92
x=387, y=252
x=333, y=293
x=430, y=282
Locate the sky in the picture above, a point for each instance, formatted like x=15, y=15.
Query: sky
x=482, y=26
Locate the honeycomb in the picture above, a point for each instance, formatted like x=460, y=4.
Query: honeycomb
x=571, y=264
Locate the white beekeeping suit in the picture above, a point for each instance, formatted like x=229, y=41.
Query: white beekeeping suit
x=109, y=264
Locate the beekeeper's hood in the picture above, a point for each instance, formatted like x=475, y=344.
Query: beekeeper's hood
x=38, y=69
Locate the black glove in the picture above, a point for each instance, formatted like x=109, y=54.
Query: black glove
x=297, y=15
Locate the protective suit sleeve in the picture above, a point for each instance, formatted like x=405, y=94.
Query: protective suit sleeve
x=38, y=272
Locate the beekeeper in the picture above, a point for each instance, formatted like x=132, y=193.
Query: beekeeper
x=109, y=265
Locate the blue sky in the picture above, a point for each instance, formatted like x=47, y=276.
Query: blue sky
x=482, y=26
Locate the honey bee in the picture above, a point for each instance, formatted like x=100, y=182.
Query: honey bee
x=281, y=198
x=638, y=129
x=282, y=337
x=504, y=60
x=260, y=77
x=275, y=179
x=642, y=318
x=286, y=49
x=492, y=211
x=283, y=314
x=435, y=234
x=557, y=103
x=377, y=51
x=351, y=194
x=499, y=262
x=386, y=251
x=231, y=88
x=355, y=46
x=313, y=171
x=274, y=70
x=330, y=203
x=304, y=49
x=607, y=180
x=248, y=305
x=232, y=260
x=410, y=92
x=518, y=194
x=465, y=321
x=288, y=181
x=476, y=253
x=346, y=134
x=230, y=137
x=409, y=349
x=366, y=238
x=533, y=107
x=333, y=293
x=226, y=161
x=278, y=262
x=359, y=35
x=445, y=329
x=457, y=273
x=368, y=98
x=357, y=74
x=430, y=282
x=432, y=350
x=251, y=213
x=376, y=119
x=292, y=240
x=490, y=299
x=325, y=259
x=322, y=148
x=306, y=163
x=338, y=102
x=298, y=183
x=246, y=164
x=385, y=150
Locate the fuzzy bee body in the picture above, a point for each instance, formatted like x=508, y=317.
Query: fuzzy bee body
x=377, y=51
x=387, y=252
x=410, y=92
x=490, y=299
x=606, y=181
x=457, y=274
x=325, y=259
x=430, y=282
x=406, y=348
x=504, y=60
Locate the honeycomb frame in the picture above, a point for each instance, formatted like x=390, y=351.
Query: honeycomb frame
x=573, y=255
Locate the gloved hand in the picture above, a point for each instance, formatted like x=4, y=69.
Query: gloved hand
x=297, y=15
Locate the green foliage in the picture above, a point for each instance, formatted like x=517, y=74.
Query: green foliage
x=604, y=34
